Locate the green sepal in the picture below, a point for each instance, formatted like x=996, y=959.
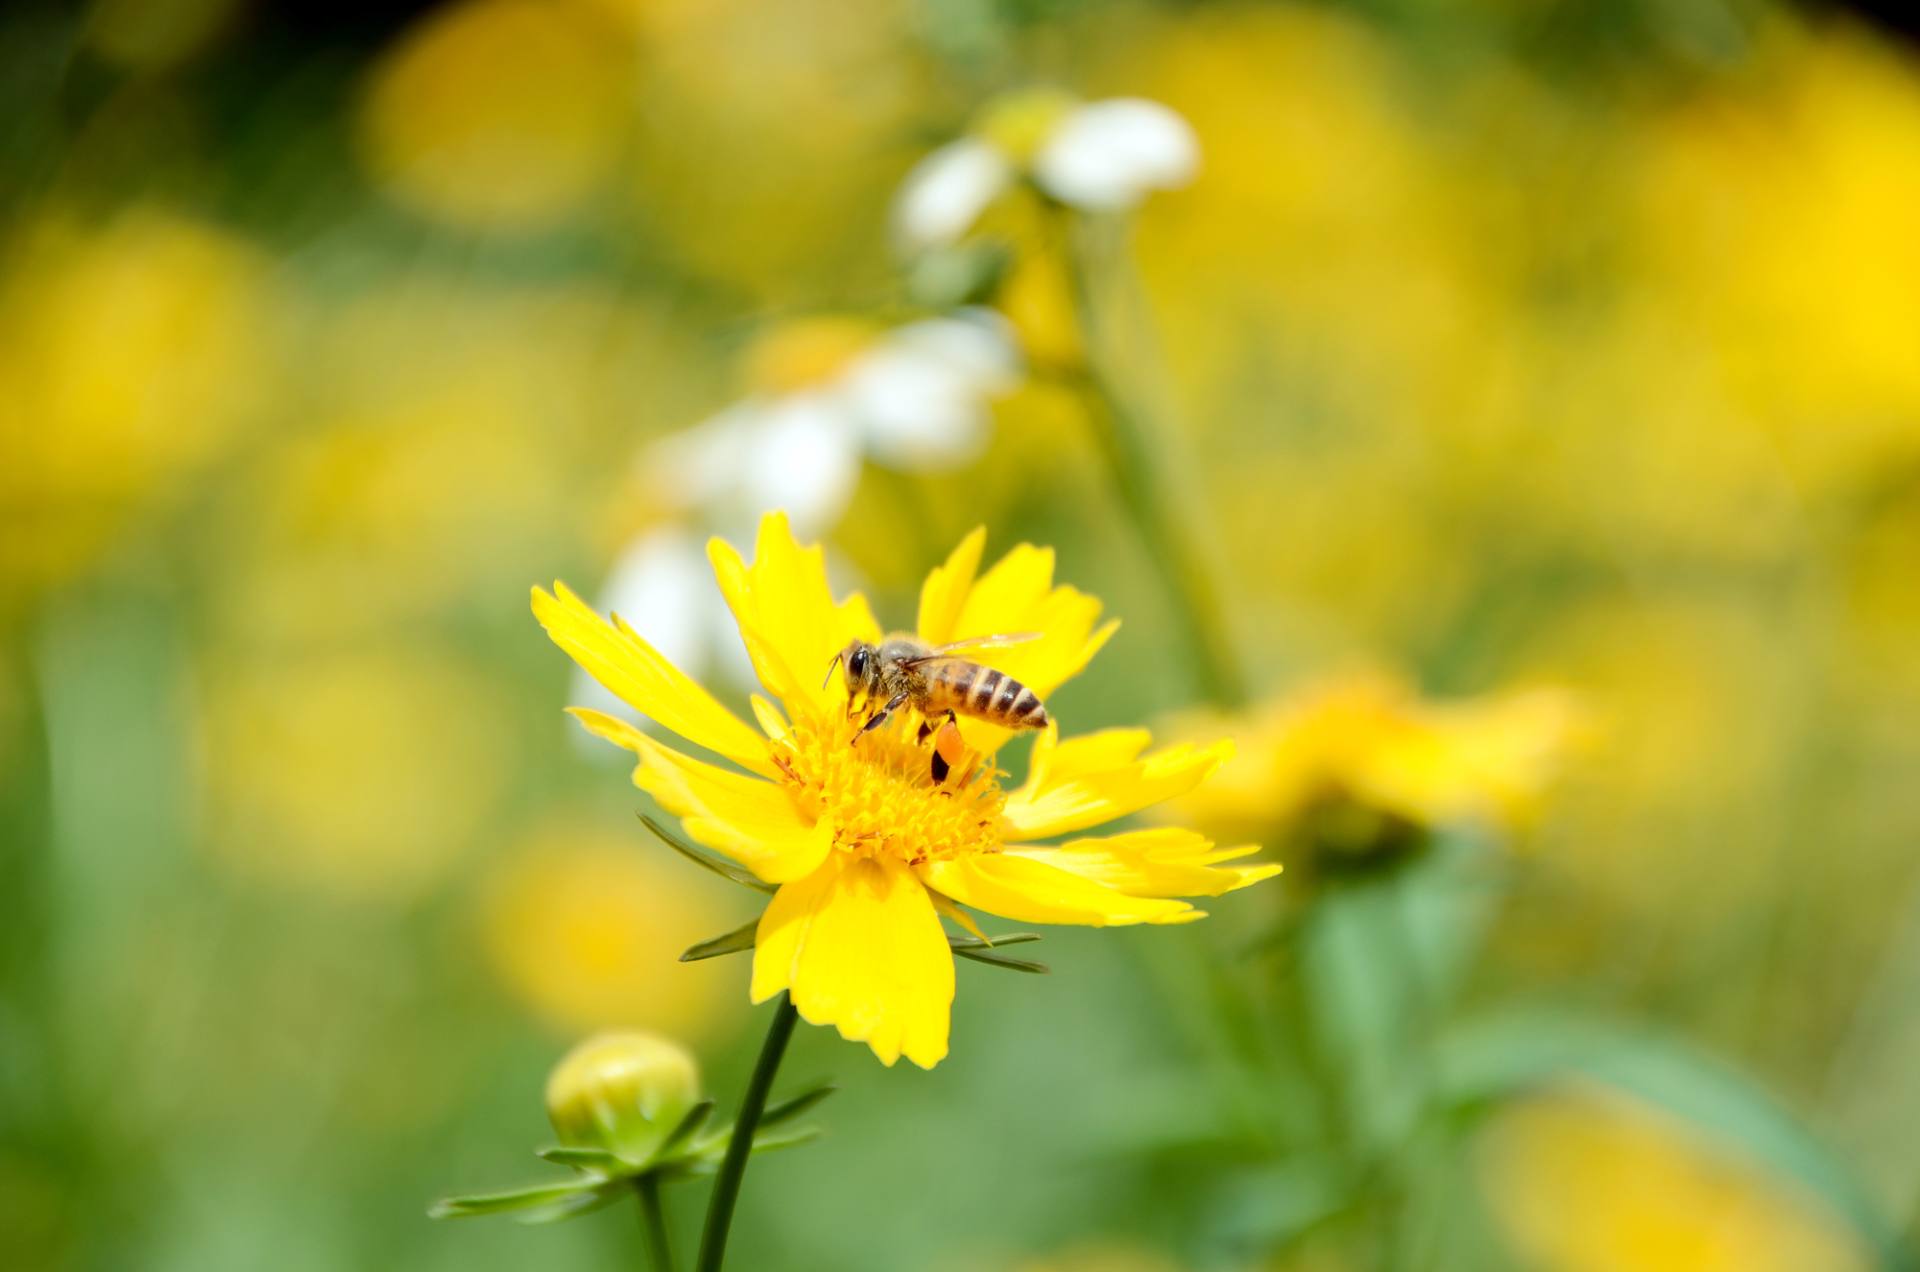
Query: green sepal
x=596, y=1159
x=713, y=1150
x=960, y=943
x=734, y=942
x=696, y=1118
x=1001, y=960
x=496, y=1203
x=581, y=1203
x=787, y=1110
x=725, y=869
x=764, y=1143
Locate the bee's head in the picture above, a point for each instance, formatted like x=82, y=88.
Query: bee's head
x=858, y=662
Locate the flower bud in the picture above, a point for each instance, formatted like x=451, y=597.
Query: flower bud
x=624, y=1091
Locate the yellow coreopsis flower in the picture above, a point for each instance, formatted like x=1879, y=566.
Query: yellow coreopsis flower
x=868, y=849
x=1366, y=744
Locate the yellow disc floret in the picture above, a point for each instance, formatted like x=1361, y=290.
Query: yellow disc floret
x=880, y=795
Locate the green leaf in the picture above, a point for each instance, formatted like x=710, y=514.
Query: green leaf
x=960, y=943
x=696, y=1118
x=513, y=1199
x=734, y=942
x=1366, y=1000
x=583, y=1159
x=1485, y=1060
x=787, y=1110
x=1001, y=960
x=579, y=1204
x=725, y=869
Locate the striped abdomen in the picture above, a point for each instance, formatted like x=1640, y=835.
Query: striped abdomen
x=985, y=694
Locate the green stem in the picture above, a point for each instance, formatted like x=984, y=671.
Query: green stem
x=1126, y=444
x=726, y=1185
x=653, y=1220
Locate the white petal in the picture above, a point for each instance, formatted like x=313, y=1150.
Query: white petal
x=978, y=343
x=1108, y=155
x=946, y=192
x=916, y=410
x=804, y=457
x=701, y=465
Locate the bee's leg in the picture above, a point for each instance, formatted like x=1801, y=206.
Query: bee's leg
x=927, y=726
x=881, y=716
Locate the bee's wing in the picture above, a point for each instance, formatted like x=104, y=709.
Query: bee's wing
x=998, y=640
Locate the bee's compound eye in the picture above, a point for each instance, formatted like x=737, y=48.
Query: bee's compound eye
x=857, y=662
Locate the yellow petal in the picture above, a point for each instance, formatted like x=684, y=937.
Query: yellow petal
x=1094, y=779
x=772, y=723
x=859, y=946
x=1055, y=761
x=750, y=820
x=946, y=907
x=1032, y=891
x=787, y=616
x=1166, y=862
x=641, y=677
x=1016, y=595
x=945, y=591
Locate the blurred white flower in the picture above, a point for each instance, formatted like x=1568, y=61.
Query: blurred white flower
x=916, y=398
x=1102, y=156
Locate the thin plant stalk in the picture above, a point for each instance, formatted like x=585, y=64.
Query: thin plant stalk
x=1125, y=437
x=653, y=1222
x=726, y=1185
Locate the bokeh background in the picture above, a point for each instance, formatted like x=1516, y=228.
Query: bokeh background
x=1505, y=344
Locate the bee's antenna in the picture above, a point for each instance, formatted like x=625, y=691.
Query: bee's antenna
x=831, y=664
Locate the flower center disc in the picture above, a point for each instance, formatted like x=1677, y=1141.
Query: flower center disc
x=880, y=795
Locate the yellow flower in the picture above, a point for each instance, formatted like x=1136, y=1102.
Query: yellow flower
x=1363, y=741
x=583, y=931
x=498, y=115
x=867, y=849
x=1588, y=1180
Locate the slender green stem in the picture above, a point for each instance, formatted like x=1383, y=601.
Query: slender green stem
x=653, y=1221
x=726, y=1185
x=1126, y=444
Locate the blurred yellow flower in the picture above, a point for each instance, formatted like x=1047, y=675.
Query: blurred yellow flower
x=500, y=114
x=1363, y=745
x=868, y=848
x=152, y=35
x=767, y=135
x=1590, y=1180
x=361, y=773
x=585, y=930
x=130, y=355
x=1777, y=218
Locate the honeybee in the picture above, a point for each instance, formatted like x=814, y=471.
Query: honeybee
x=935, y=679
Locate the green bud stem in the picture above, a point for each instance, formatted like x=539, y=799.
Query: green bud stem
x=653, y=1221
x=726, y=1185
x=1127, y=445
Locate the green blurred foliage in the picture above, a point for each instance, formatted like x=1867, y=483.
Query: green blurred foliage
x=1568, y=343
